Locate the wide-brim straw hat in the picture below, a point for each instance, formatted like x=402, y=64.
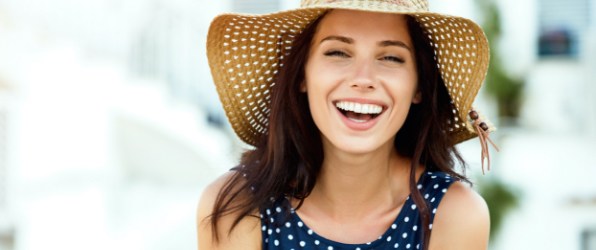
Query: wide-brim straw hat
x=244, y=53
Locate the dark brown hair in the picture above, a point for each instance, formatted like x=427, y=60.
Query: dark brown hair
x=287, y=160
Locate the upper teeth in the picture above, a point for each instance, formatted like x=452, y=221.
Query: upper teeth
x=359, y=107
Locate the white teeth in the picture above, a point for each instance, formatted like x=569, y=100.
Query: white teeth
x=359, y=107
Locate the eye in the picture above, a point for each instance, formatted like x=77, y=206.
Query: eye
x=394, y=59
x=337, y=53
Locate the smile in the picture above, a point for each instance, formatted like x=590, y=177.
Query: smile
x=359, y=112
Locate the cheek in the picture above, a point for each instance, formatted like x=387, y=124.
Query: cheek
x=317, y=94
x=318, y=87
x=412, y=87
x=404, y=89
x=317, y=83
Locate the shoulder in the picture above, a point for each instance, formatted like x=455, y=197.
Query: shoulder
x=246, y=235
x=462, y=220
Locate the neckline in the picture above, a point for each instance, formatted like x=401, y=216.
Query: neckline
x=408, y=204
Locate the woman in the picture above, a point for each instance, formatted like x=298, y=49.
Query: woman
x=354, y=108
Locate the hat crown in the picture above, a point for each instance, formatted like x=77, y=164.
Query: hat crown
x=389, y=5
x=246, y=52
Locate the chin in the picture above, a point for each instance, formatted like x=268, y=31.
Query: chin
x=359, y=145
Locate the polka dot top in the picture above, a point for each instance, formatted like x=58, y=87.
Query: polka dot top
x=283, y=230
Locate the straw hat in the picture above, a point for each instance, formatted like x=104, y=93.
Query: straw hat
x=244, y=53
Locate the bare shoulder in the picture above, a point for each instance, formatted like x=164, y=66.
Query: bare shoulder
x=246, y=235
x=462, y=220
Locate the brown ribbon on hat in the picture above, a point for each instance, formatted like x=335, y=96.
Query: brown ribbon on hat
x=482, y=130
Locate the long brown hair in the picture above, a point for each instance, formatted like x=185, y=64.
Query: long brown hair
x=287, y=160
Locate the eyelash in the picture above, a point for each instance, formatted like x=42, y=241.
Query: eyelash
x=394, y=59
x=339, y=53
x=336, y=53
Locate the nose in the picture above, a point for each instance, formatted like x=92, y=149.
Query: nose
x=363, y=77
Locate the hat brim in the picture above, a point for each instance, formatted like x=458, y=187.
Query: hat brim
x=245, y=52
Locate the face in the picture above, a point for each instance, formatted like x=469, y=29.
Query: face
x=360, y=79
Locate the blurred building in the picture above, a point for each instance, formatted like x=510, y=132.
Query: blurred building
x=7, y=233
x=564, y=64
x=118, y=119
x=549, y=158
x=563, y=27
x=115, y=125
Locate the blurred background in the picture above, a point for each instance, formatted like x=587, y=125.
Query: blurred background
x=110, y=126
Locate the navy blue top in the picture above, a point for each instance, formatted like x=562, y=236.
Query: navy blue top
x=283, y=230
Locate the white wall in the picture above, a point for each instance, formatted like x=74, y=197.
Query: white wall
x=103, y=159
x=69, y=60
x=549, y=158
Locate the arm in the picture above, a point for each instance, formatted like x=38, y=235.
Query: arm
x=462, y=221
x=246, y=235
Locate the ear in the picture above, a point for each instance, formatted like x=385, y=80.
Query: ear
x=303, y=87
x=417, y=97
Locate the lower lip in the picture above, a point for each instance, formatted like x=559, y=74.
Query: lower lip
x=359, y=126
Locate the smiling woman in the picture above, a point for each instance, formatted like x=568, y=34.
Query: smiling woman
x=354, y=109
x=362, y=59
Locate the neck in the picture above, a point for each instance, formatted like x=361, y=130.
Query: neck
x=360, y=182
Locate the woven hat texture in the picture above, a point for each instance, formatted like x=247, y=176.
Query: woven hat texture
x=245, y=52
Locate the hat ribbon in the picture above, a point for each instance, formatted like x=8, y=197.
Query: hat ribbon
x=482, y=130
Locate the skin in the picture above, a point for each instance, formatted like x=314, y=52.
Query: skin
x=364, y=57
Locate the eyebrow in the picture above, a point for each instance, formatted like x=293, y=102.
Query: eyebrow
x=385, y=43
x=338, y=38
x=395, y=43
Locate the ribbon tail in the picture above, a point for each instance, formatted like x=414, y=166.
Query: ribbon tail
x=484, y=140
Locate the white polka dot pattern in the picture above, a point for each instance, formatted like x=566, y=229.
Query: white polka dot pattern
x=245, y=53
x=402, y=234
x=248, y=56
x=458, y=44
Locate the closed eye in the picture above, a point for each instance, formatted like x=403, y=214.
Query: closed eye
x=393, y=59
x=337, y=53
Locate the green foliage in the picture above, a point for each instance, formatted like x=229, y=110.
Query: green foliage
x=506, y=90
x=500, y=199
x=508, y=93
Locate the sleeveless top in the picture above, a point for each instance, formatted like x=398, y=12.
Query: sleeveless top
x=282, y=228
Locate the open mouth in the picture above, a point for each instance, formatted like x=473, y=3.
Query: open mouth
x=359, y=112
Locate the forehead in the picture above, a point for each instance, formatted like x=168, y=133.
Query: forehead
x=363, y=23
